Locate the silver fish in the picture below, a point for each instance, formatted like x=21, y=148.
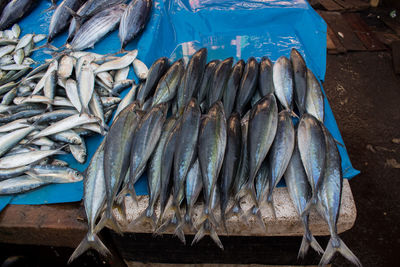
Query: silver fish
x=300, y=80
x=20, y=184
x=314, y=103
x=23, y=159
x=283, y=81
x=85, y=87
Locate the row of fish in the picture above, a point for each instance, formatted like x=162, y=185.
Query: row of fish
x=226, y=149
x=89, y=21
x=51, y=110
x=11, y=11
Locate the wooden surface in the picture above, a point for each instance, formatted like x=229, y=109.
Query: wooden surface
x=396, y=56
x=287, y=222
x=330, y=5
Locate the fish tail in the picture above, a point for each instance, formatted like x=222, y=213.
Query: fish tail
x=108, y=220
x=293, y=114
x=308, y=239
x=270, y=203
x=337, y=245
x=236, y=210
x=256, y=213
x=308, y=207
x=130, y=189
x=252, y=191
x=90, y=241
x=148, y=216
x=84, y=110
x=223, y=221
x=207, y=226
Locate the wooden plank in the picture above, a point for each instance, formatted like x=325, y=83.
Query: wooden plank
x=330, y=5
x=330, y=45
x=361, y=29
x=387, y=38
x=392, y=24
x=343, y=30
x=396, y=56
x=48, y=225
x=287, y=222
x=335, y=39
x=345, y=4
x=352, y=5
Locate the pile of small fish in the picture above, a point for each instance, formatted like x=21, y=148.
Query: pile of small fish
x=89, y=21
x=12, y=11
x=52, y=109
x=228, y=137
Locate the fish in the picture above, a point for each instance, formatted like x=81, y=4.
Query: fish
x=9, y=140
x=232, y=87
x=94, y=191
x=55, y=174
x=20, y=184
x=96, y=108
x=14, y=125
x=315, y=102
x=211, y=150
x=300, y=193
x=79, y=152
x=280, y=153
x=248, y=84
x=263, y=125
x=85, y=87
x=133, y=20
x=265, y=81
x=156, y=71
x=39, y=86
x=19, y=56
x=168, y=84
x=13, y=172
x=13, y=11
x=184, y=156
x=24, y=41
x=282, y=75
x=118, y=63
x=117, y=149
x=140, y=69
x=61, y=16
x=312, y=147
x=68, y=137
x=193, y=188
x=220, y=78
x=300, y=80
x=122, y=74
x=231, y=162
x=329, y=194
x=71, y=89
x=27, y=158
x=53, y=116
x=99, y=26
x=192, y=77
x=20, y=115
x=128, y=99
x=66, y=67
x=9, y=96
x=206, y=80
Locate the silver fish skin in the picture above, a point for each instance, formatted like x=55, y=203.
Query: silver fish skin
x=265, y=81
x=79, y=152
x=263, y=125
x=61, y=16
x=282, y=75
x=66, y=67
x=256, y=97
x=86, y=87
x=299, y=79
x=27, y=158
x=329, y=194
x=194, y=185
x=248, y=84
x=9, y=96
x=15, y=172
x=20, y=115
x=122, y=74
x=71, y=89
x=19, y=57
x=53, y=116
x=69, y=137
x=13, y=11
x=118, y=63
x=169, y=84
x=156, y=71
x=145, y=141
x=314, y=103
x=211, y=150
x=50, y=85
x=311, y=143
x=280, y=152
x=140, y=69
x=300, y=194
x=24, y=41
x=66, y=124
x=32, y=99
x=207, y=79
x=98, y=26
x=220, y=78
x=127, y=100
x=16, y=30
x=14, y=125
x=133, y=20
x=58, y=162
x=231, y=162
x=55, y=174
x=232, y=87
x=192, y=78
x=19, y=185
x=51, y=67
x=96, y=108
x=94, y=196
x=9, y=140
x=118, y=87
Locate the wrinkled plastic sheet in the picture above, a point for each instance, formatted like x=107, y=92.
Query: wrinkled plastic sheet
x=177, y=29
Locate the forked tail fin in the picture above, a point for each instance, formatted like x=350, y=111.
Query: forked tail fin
x=108, y=220
x=337, y=245
x=206, y=226
x=308, y=240
x=256, y=213
x=90, y=241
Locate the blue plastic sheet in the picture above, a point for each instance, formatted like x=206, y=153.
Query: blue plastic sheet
x=226, y=28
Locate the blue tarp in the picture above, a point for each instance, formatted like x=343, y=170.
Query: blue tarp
x=177, y=28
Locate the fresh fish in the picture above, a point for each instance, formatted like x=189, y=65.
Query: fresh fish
x=211, y=147
x=27, y=158
x=53, y=116
x=248, y=84
x=79, y=152
x=280, y=153
x=265, y=81
x=192, y=78
x=20, y=184
x=127, y=100
x=69, y=137
x=192, y=191
x=219, y=81
x=314, y=103
x=55, y=174
x=14, y=67
x=39, y=86
x=9, y=140
x=94, y=198
x=96, y=108
x=58, y=162
x=9, y=96
x=300, y=194
x=133, y=20
x=14, y=11
x=71, y=89
x=20, y=115
x=24, y=41
x=231, y=162
x=262, y=129
x=118, y=63
x=19, y=56
x=6, y=60
x=282, y=75
x=32, y=99
x=85, y=87
x=15, y=172
x=300, y=80
x=206, y=80
x=66, y=67
x=62, y=102
x=120, y=86
x=50, y=86
x=329, y=193
x=256, y=97
x=140, y=69
x=122, y=74
x=14, y=125
x=110, y=101
x=232, y=87
x=99, y=26
x=7, y=87
x=168, y=85
x=61, y=16
x=311, y=143
x=39, y=37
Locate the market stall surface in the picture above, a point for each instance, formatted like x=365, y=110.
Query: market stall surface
x=364, y=93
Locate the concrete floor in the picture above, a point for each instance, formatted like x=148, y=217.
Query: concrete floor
x=364, y=93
